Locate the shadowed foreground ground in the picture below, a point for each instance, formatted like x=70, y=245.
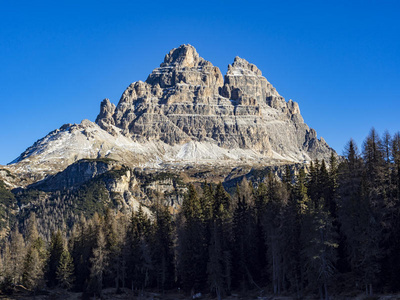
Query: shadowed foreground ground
x=128, y=294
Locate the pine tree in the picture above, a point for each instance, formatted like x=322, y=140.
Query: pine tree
x=215, y=265
x=6, y=270
x=319, y=250
x=56, y=249
x=34, y=262
x=206, y=202
x=82, y=241
x=65, y=270
x=219, y=267
x=244, y=247
x=163, y=248
x=140, y=264
x=350, y=208
x=273, y=221
x=313, y=183
x=393, y=221
x=99, y=262
x=300, y=192
x=374, y=196
x=17, y=252
x=333, y=186
x=191, y=206
x=373, y=155
x=222, y=207
x=261, y=200
x=396, y=159
x=291, y=247
x=114, y=248
x=192, y=244
x=287, y=177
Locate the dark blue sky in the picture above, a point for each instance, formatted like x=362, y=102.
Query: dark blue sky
x=340, y=60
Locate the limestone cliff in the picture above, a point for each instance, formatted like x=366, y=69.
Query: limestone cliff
x=185, y=114
x=187, y=100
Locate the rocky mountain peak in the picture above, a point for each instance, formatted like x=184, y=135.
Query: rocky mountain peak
x=184, y=66
x=244, y=83
x=185, y=56
x=243, y=66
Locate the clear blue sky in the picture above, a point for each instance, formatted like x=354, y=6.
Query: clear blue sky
x=340, y=60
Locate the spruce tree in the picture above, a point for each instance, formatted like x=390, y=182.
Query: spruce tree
x=396, y=160
x=245, y=266
x=319, y=249
x=82, y=243
x=65, y=270
x=17, y=252
x=139, y=262
x=55, y=251
x=99, y=262
x=163, y=248
x=273, y=223
x=393, y=240
x=219, y=267
x=192, y=245
x=34, y=262
x=113, y=247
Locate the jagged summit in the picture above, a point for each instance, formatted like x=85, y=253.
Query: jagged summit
x=187, y=99
x=187, y=113
x=184, y=56
x=183, y=65
x=242, y=64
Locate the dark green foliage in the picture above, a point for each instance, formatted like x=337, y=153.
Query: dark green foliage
x=56, y=249
x=139, y=239
x=219, y=267
x=193, y=242
x=65, y=270
x=245, y=264
x=101, y=159
x=91, y=198
x=35, y=258
x=7, y=202
x=6, y=196
x=164, y=260
x=319, y=248
x=222, y=203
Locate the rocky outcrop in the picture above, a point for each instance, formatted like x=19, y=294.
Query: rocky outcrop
x=105, y=118
x=75, y=175
x=187, y=100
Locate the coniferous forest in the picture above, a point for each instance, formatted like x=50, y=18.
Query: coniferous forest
x=330, y=229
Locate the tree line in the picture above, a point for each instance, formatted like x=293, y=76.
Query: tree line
x=333, y=228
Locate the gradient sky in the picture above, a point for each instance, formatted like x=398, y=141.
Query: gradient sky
x=340, y=60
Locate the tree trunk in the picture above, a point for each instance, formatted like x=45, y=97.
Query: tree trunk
x=321, y=296
x=117, y=283
x=218, y=293
x=326, y=291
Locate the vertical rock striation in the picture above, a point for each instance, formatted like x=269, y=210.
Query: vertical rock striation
x=188, y=100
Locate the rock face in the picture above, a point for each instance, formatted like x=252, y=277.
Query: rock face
x=185, y=114
x=74, y=175
x=187, y=100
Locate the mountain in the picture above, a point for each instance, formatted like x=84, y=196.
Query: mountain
x=185, y=114
x=187, y=101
